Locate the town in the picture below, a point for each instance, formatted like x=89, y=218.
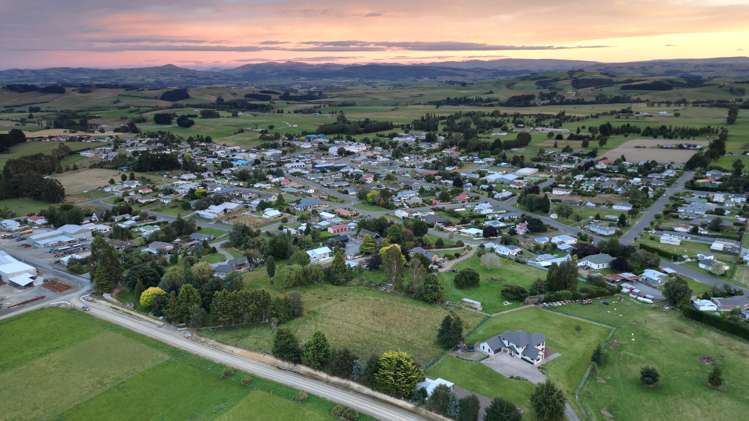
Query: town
x=491, y=240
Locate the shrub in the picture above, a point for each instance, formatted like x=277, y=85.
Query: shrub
x=246, y=380
x=344, y=413
x=301, y=396
x=514, y=292
x=228, y=372
x=467, y=278
x=649, y=376
x=149, y=295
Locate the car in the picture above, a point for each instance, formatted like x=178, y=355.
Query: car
x=85, y=307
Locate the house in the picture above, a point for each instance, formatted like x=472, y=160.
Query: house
x=158, y=247
x=308, y=203
x=670, y=239
x=653, y=277
x=503, y=250
x=724, y=246
x=596, y=262
x=338, y=229
x=421, y=251
x=564, y=239
x=472, y=232
x=320, y=255
x=544, y=261
x=214, y=211
x=270, y=213
x=603, y=230
x=529, y=347
x=200, y=237
x=624, y=206
x=430, y=384
x=704, y=305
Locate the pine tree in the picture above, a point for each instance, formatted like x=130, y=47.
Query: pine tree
x=502, y=410
x=548, y=402
x=286, y=347
x=450, y=333
x=270, y=266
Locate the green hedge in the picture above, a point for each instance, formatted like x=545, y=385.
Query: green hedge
x=738, y=328
x=663, y=253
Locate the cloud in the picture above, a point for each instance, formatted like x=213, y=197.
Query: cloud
x=428, y=46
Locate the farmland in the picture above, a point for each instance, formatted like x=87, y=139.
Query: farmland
x=364, y=320
x=675, y=346
x=64, y=364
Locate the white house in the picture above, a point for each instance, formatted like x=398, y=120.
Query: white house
x=529, y=347
x=596, y=261
x=430, y=384
x=704, y=305
x=503, y=250
x=10, y=225
x=472, y=232
x=320, y=255
x=214, y=211
x=653, y=276
x=270, y=213
x=670, y=239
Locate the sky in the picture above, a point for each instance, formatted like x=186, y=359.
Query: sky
x=231, y=33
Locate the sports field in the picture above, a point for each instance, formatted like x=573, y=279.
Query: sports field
x=63, y=364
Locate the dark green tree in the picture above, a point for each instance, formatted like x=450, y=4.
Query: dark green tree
x=450, y=333
x=316, y=353
x=502, y=410
x=439, y=401
x=649, y=376
x=548, y=402
x=286, y=347
x=676, y=291
x=469, y=408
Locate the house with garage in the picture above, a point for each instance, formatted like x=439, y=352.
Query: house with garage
x=529, y=347
x=320, y=255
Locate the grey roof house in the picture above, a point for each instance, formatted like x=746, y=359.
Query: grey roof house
x=529, y=347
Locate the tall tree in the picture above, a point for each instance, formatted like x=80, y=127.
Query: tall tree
x=469, y=408
x=392, y=263
x=502, y=410
x=317, y=352
x=676, y=291
x=397, y=374
x=450, y=333
x=548, y=402
x=286, y=347
x=439, y=400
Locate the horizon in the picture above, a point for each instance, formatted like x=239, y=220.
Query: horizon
x=229, y=33
x=435, y=63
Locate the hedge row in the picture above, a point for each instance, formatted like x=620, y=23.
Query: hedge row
x=740, y=329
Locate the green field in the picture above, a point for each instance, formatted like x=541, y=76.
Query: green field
x=573, y=339
x=23, y=206
x=481, y=379
x=647, y=335
x=365, y=320
x=491, y=283
x=33, y=147
x=62, y=364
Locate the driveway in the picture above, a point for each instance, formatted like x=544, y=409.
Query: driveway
x=514, y=367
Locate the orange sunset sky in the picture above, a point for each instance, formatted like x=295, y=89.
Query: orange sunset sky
x=230, y=33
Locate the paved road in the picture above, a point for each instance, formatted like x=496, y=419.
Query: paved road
x=656, y=208
x=222, y=355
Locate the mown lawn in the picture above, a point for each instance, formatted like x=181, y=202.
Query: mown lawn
x=63, y=364
x=491, y=283
x=23, y=206
x=481, y=379
x=573, y=339
x=649, y=336
x=365, y=320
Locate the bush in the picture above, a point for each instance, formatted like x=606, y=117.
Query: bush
x=466, y=278
x=514, y=293
x=563, y=295
x=344, y=413
x=246, y=380
x=301, y=396
x=228, y=372
x=649, y=376
x=149, y=295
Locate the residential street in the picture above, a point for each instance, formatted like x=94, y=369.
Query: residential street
x=657, y=208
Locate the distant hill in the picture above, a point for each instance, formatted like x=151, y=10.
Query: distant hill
x=170, y=75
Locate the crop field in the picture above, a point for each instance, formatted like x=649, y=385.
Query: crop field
x=491, y=282
x=77, y=182
x=573, y=339
x=676, y=347
x=651, y=149
x=62, y=364
x=364, y=320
